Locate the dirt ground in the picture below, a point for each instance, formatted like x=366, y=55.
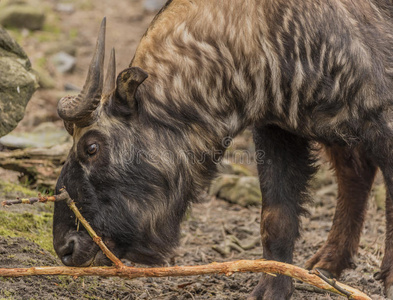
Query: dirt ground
x=210, y=224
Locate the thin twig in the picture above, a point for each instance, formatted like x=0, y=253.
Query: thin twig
x=43, y=199
x=332, y=282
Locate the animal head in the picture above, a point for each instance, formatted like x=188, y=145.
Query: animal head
x=115, y=172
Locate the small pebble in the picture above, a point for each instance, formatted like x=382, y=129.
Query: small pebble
x=65, y=8
x=63, y=62
x=153, y=5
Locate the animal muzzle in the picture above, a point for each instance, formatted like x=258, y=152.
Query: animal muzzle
x=77, y=249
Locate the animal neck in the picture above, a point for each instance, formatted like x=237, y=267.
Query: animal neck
x=186, y=136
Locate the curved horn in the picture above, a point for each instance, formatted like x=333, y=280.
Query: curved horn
x=110, y=79
x=79, y=109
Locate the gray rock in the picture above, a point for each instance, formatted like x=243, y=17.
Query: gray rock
x=68, y=8
x=153, y=5
x=22, y=16
x=226, y=167
x=71, y=87
x=44, y=135
x=242, y=190
x=10, y=48
x=63, y=62
x=17, y=82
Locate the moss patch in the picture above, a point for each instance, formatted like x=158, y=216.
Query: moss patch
x=34, y=227
x=12, y=190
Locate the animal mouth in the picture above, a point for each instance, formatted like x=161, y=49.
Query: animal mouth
x=89, y=263
x=79, y=250
x=77, y=260
x=100, y=259
x=97, y=258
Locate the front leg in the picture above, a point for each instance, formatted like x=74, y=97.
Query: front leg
x=284, y=174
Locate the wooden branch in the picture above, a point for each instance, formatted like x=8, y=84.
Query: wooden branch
x=313, y=277
x=43, y=199
x=227, y=268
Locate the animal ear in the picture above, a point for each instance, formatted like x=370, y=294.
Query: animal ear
x=127, y=83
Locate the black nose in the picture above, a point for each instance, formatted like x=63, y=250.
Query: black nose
x=68, y=251
x=76, y=249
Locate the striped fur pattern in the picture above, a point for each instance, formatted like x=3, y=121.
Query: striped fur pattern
x=235, y=63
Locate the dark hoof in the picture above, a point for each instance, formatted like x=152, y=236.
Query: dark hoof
x=387, y=281
x=330, y=261
x=273, y=288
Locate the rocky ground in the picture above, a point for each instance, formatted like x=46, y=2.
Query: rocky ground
x=209, y=230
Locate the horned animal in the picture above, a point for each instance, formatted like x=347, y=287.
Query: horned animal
x=297, y=72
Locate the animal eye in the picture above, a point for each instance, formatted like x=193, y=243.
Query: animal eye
x=92, y=149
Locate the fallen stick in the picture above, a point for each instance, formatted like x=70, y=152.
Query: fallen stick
x=227, y=268
x=313, y=277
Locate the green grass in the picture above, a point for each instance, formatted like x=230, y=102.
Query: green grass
x=73, y=34
x=12, y=190
x=35, y=227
